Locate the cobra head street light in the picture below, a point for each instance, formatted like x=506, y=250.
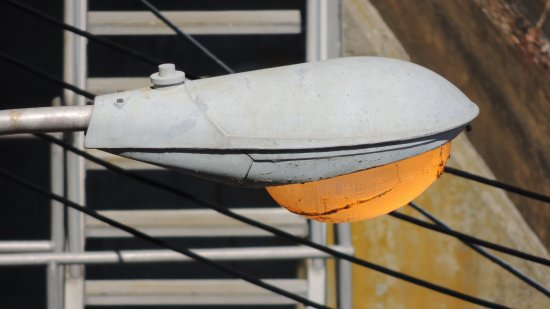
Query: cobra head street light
x=335, y=141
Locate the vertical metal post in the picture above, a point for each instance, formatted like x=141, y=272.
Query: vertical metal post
x=316, y=268
x=312, y=30
x=322, y=42
x=323, y=33
x=54, y=270
x=344, y=272
x=75, y=64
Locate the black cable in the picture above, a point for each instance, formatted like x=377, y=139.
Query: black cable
x=227, y=212
x=159, y=242
x=471, y=239
x=484, y=253
x=45, y=75
x=268, y=228
x=186, y=36
x=88, y=35
x=236, y=216
x=498, y=184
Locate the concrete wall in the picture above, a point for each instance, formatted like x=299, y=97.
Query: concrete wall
x=464, y=205
x=492, y=51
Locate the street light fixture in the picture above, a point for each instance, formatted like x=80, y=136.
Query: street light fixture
x=336, y=141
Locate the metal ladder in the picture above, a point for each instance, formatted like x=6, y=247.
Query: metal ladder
x=322, y=42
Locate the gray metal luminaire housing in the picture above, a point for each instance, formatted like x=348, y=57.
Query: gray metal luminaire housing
x=289, y=124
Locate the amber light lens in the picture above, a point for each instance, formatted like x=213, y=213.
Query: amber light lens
x=364, y=194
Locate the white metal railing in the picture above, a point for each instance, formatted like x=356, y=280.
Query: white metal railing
x=64, y=254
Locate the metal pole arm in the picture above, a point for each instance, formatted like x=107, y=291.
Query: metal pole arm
x=45, y=119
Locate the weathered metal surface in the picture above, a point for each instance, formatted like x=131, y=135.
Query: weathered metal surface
x=45, y=119
x=290, y=124
x=334, y=103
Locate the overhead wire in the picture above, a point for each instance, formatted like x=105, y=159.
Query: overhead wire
x=484, y=253
x=186, y=36
x=157, y=241
x=45, y=75
x=228, y=270
x=90, y=36
x=272, y=230
x=280, y=233
x=471, y=239
x=498, y=184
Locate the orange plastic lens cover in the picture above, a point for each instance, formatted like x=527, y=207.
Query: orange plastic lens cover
x=364, y=194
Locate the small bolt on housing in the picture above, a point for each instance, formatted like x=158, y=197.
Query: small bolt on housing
x=167, y=76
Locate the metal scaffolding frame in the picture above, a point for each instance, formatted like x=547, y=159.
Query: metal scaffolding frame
x=64, y=254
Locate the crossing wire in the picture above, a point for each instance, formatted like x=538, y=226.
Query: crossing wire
x=233, y=215
x=159, y=242
x=186, y=36
x=92, y=37
x=498, y=184
x=45, y=75
x=280, y=233
x=486, y=254
x=234, y=272
x=471, y=239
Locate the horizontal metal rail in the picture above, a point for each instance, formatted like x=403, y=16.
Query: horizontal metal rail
x=106, y=85
x=158, y=256
x=189, y=292
x=45, y=119
x=26, y=246
x=196, y=22
x=196, y=223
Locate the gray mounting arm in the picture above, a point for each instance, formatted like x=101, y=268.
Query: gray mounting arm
x=45, y=119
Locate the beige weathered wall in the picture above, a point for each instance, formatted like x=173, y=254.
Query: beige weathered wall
x=492, y=52
x=466, y=206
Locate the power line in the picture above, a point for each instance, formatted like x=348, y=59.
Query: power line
x=498, y=184
x=484, y=253
x=159, y=242
x=268, y=228
x=186, y=36
x=471, y=239
x=45, y=75
x=47, y=18
x=227, y=212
